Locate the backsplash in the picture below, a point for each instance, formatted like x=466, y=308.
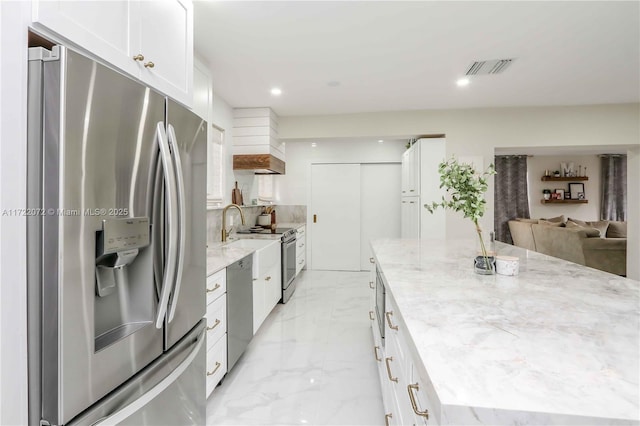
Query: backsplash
x=288, y=214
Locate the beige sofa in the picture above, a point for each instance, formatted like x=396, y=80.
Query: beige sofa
x=579, y=245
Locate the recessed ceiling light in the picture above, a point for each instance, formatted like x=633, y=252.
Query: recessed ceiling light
x=276, y=91
x=380, y=141
x=313, y=144
x=462, y=82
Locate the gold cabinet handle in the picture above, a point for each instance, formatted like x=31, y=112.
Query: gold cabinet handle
x=268, y=279
x=386, y=361
x=371, y=260
x=215, y=287
x=214, y=325
x=149, y=64
x=411, y=190
x=211, y=373
x=315, y=218
x=412, y=397
x=386, y=419
x=138, y=57
x=371, y=286
x=375, y=353
x=371, y=317
x=388, y=315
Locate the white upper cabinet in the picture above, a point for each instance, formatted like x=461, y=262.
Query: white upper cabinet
x=150, y=40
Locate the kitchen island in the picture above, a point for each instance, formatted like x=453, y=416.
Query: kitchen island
x=557, y=344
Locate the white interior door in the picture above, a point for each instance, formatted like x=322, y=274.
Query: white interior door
x=335, y=210
x=380, y=204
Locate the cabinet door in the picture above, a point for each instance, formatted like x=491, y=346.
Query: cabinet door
x=406, y=164
x=273, y=289
x=105, y=29
x=414, y=189
x=166, y=40
x=410, y=217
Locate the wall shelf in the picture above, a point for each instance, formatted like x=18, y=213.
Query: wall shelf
x=543, y=201
x=563, y=179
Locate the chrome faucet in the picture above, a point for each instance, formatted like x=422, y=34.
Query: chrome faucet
x=225, y=233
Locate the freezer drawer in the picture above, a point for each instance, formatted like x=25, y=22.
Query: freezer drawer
x=167, y=392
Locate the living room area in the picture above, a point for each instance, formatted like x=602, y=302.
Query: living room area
x=569, y=202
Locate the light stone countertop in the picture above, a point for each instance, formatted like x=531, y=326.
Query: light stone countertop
x=220, y=255
x=557, y=344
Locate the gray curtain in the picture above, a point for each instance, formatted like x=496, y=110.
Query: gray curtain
x=511, y=198
x=614, y=187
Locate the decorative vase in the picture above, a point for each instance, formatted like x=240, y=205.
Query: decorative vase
x=484, y=265
x=485, y=262
x=546, y=195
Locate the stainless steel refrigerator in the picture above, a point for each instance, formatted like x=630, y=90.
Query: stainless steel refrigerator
x=116, y=248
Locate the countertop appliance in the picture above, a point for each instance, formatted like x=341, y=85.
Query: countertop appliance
x=239, y=308
x=116, y=273
x=288, y=263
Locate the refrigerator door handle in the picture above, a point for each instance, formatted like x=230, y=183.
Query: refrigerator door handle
x=171, y=194
x=130, y=409
x=182, y=219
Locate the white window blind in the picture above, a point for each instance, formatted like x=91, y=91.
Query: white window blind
x=215, y=167
x=265, y=188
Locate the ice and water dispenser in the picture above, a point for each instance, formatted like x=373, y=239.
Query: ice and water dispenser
x=124, y=284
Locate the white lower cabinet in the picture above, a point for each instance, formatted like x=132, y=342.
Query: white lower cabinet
x=216, y=329
x=403, y=390
x=267, y=282
x=216, y=363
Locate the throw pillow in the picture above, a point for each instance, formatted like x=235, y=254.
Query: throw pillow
x=548, y=223
x=617, y=229
x=578, y=221
x=555, y=219
x=525, y=220
x=600, y=225
x=591, y=232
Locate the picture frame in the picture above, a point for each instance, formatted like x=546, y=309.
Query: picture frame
x=575, y=189
x=560, y=193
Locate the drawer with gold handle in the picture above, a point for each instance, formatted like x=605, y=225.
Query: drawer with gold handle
x=211, y=373
x=387, y=361
x=414, y=405
x=388, y=315
x=375, y=353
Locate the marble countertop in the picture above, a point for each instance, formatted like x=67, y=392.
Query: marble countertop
x=220, y=255
x=557, y=344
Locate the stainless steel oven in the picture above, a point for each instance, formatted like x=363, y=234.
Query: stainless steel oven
x=288, y=264
x=380, y=296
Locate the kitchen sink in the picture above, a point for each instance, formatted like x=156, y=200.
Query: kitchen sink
x=251, y=243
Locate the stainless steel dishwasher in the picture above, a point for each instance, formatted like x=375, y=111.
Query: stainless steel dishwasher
x=239, y=308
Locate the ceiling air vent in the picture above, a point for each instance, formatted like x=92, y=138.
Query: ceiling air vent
x=493, y=66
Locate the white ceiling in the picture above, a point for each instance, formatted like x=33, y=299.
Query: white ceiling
x=407, y=55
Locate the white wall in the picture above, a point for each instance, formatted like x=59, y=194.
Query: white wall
x=536, y=166
x=474, y=132
x=13, y=126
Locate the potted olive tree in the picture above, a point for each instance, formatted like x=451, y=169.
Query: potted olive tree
x=466, y=187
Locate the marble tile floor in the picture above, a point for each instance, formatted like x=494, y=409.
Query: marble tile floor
x=310, y=363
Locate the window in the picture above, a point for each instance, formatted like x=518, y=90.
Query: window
x=215, y=167
x=265, y=188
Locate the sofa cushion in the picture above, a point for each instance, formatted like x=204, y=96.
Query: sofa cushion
x=550, y=223
x=555, y=219
x=526, y=220
x=617, y=229
x=577, y=221
x=593, y=232
x=600, y=225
